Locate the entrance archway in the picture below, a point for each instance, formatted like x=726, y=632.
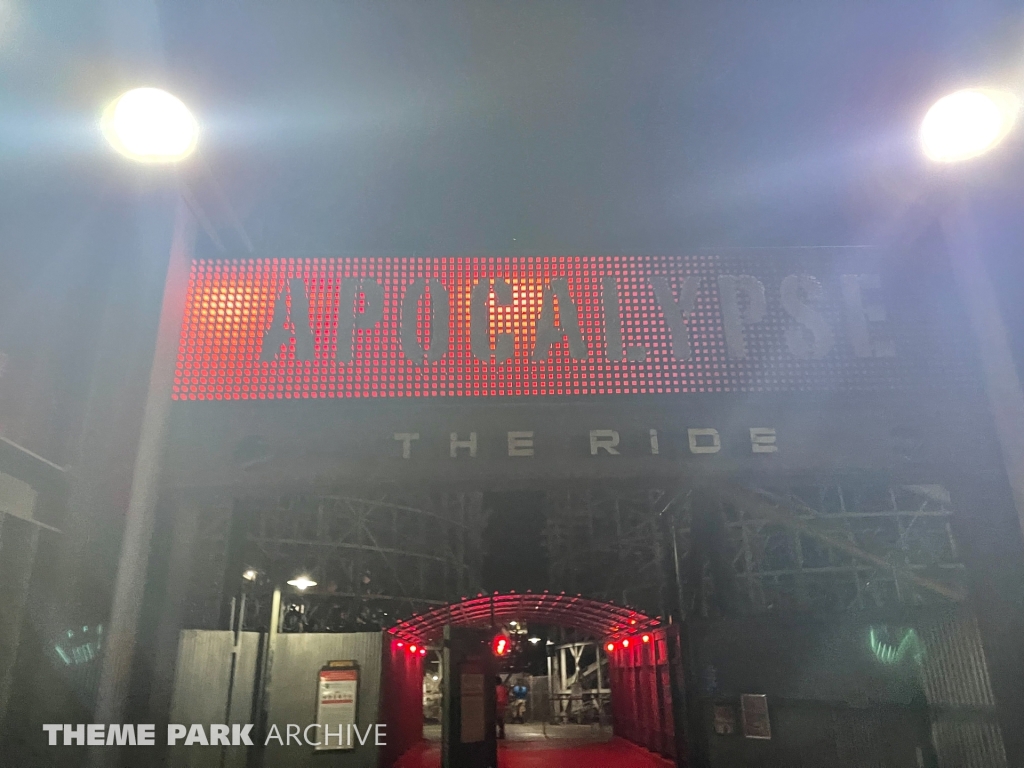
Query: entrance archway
x=604, y=621
x=634, y=644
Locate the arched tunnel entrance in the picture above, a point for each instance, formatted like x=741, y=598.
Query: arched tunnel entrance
x=605, y=699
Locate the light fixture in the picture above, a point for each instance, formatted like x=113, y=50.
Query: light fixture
x=301, y=582
x=968, y=123
x=610, y=647
x=534, y=640
x=250, y=574
x=513, y=623
x=151, y=126
x=434, y=678
x=499, y=645
x=646, y=638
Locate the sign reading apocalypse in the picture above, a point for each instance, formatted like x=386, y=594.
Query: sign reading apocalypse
x=481, y=326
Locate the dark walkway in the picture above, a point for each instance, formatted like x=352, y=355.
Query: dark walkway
x=565, y=746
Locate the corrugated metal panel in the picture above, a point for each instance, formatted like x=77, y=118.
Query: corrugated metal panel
x=962, y=744
x=954, y=671
x=201, y=685
x=18, y=543
x=401, y=702
x=641, y=700
x=292, y=690
x=955, y=677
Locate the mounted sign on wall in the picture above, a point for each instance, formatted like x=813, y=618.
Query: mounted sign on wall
x=336, y=700
x=417, y=327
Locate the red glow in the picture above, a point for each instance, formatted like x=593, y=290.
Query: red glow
x=646, y=638
x=625, y=643
x=610, y=647
x=412, y=649
x=231, y=308
x=500, y=645
x=400, y=644
x=590, y=616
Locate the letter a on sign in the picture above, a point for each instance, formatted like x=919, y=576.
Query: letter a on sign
x=291, y=321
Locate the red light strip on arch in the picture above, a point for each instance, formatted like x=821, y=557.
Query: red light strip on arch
x=602, y=620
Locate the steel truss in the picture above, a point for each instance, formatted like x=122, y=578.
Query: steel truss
x=376, y=553
x=602, y=541
x=842, y=546
x=833, y=546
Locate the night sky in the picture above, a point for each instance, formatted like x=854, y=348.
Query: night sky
x=455, y=128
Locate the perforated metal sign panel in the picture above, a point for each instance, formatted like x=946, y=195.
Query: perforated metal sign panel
x=479, y=326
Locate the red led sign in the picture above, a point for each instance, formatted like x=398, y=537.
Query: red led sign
x=480, y=326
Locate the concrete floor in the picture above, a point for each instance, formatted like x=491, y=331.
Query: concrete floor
x=535, y=745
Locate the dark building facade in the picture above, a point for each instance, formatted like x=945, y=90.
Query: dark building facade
x=812, y=421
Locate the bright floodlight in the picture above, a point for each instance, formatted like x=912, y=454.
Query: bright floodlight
x=151, y=126
x=967, y=124
x=250, y=574
x=301, y=582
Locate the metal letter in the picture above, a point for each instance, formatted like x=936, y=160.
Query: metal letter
x=614, y=349
x=733, y=315
x=695, y=447
x=407, y=438
x=520, y=443
x=762, y=440
x=456, y=444
x=799, y=293
x=604, y=439
x=440, y=314
x=676, y=312
x=548, y=333
x=289, y=324
x=349, y=318
x=858, y=316
x=480, y=322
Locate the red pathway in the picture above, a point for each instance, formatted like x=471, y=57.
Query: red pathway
x=616, y=753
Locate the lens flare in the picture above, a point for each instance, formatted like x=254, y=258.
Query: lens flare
x=967, y=124
x=151, y=126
